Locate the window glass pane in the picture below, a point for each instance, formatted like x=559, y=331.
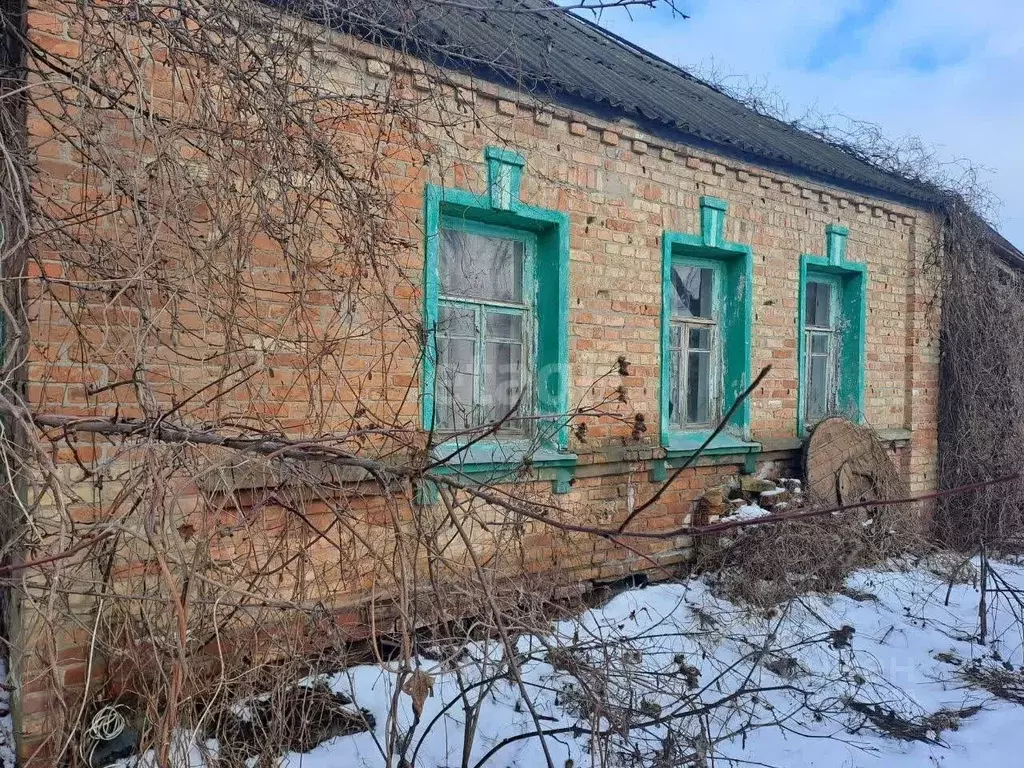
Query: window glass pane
x=817, y=388
x=819, y=343
x=700, y=338
x=692, y=289
x=503, y=325
x=455, y=386
x=503, y=381
x=698, y=387
x=818, y=304
x=480, y=267
x=675, y=336
x=456, y=321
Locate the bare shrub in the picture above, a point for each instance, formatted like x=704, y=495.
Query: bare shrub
x=293, y=718
x=1003, y=683
x=216, y=465
x=222, y=272
x=981, y=411
x=766, y=565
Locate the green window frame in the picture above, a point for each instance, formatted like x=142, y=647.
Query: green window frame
x=456, y=308
x=543, y=439
x=844, y=366
x=730, y=322
x=695, y=347
x=822, y=340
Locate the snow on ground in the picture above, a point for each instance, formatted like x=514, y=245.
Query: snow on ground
x=888, y=643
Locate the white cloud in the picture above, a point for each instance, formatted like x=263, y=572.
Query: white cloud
x=947, y=71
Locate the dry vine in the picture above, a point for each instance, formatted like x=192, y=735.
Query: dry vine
x=210, y=438
x=212, y=454
x=980, y=415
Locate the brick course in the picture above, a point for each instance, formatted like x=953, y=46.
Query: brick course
x=621, y=188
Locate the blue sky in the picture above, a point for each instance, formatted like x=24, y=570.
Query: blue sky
x=948, y=71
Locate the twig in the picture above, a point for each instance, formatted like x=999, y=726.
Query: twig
x=982, y=602
x=686, y=464
x=83, y=544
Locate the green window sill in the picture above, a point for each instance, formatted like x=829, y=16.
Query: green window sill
x=498, y=454
x=501, y=460
x=683, y=445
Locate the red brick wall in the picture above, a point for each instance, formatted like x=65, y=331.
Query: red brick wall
x=621, y=189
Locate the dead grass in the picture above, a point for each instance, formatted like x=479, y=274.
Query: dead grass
x=927, y=729
x=765, y=565
x=1003, y=683
x=292, y=718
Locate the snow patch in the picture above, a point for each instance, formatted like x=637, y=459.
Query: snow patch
x=749, y=512
x=6, y=723
x=891, y=642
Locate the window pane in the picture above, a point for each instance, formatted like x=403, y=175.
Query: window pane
x=818, y=305
x=456, y=383
x=675, y=336
x=456, y=321
x=817, y=388
x=502, y=325
x=480, y=267
x=691, y=291
x=503, y=381
x=700, y=338
x=819, y=343
x=698, y=387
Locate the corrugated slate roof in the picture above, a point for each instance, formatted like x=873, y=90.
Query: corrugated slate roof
x=536, y=46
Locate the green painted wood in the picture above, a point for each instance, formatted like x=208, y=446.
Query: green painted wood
x=749, y=463
x=851, y=278
x=432, y=221
x=686, y=443
x=426, y=493
x=835, y=244
x=497, y=454
x=712, y=220
x=563, y=480
x=667, y=242
x=504, y=176
x=501, y=210
x=737, y=263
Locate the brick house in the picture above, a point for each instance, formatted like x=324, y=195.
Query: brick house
x=595, y=203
